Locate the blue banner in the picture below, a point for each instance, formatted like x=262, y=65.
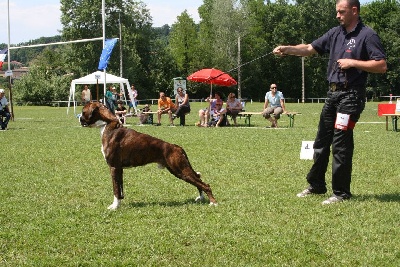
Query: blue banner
x=106, y=53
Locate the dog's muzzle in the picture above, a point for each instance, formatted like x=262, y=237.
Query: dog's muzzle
x=82, y=121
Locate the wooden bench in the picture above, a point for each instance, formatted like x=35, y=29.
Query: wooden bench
x=247, y=116
x=291, y=117
x=395, y=117
x=150, y=119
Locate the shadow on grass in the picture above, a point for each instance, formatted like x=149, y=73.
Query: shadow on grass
x=395, y=197
x=167, y=203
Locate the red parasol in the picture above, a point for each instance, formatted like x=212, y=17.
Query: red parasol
x=212, y=76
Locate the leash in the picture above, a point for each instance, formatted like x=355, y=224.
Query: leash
x=231, y=70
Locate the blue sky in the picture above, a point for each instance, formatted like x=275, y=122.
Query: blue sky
x=31, y=19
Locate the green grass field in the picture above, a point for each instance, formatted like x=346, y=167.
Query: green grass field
x=55, y=189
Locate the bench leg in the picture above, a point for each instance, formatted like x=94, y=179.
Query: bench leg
x=247, y=118
x=394, y=123
x=182, y=120
x=291, y=120
x=387, y=123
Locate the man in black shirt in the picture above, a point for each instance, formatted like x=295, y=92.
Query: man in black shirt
x=354, y=50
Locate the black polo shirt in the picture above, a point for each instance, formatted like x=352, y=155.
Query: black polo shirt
x=361, y=43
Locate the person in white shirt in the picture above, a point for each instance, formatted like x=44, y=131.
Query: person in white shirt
x=133, y=102
x=86, y=95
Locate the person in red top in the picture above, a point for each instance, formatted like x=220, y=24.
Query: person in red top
x=165, y=106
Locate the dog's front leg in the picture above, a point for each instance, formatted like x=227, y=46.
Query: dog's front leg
x=118, y=186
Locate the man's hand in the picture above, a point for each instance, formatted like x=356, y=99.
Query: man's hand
x=280, y=50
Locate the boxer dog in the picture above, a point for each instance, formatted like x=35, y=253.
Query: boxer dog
x=125, y=148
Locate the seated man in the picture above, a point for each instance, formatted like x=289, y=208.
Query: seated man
x=277, y=107
x=4, y=111
x=165, y=106
x=120, y=111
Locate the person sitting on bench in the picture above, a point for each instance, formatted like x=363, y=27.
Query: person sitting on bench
x=204, y=114
x=4, y=111
x=120, y=111
x=277, y=105
x=182, y=102
x=165, y=106
x=218, y=116
x=233, y=107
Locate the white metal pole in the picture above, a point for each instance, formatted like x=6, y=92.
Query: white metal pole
x=8, y=60
x=103, y=12
x=120, y=44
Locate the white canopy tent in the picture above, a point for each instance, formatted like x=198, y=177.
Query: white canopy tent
x=98, y=78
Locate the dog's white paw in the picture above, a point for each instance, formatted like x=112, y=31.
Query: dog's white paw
x=213, y=204
x=199, y=198
x=115, y=204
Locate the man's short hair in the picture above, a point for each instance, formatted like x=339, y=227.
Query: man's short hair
x=352, y=3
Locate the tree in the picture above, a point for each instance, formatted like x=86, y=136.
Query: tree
x=384, y=17
x=47, y=80
x=82, y=19
x=183, y=42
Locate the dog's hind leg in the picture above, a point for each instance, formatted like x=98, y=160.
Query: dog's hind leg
x=118, y=187
x=188, y=175
x=177, y=162
x=201, y=193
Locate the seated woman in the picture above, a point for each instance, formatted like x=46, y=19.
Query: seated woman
x=182, y=102
x=204, y=114
x=218, y=116
x=233, y=107
x=120, y=111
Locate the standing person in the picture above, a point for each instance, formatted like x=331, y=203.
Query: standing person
x=165, y=106
x=110, y=100
x=233, y=107
x=133, y=102
x=354, y=50
x=86, y=95
x=277, y=105
x=4, y=111
x=182, y=102
x=115, y=95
